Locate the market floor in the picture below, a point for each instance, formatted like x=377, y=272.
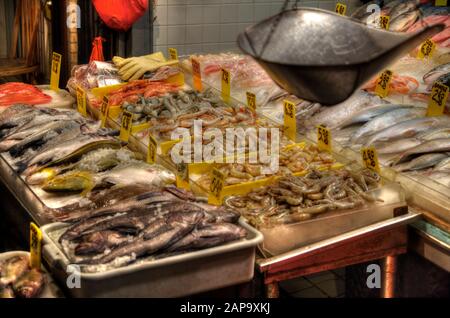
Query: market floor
x=330, y=284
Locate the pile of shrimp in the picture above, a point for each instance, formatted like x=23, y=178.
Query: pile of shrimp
x=400, y=84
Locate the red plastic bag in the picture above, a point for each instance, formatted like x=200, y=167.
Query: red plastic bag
x=120, y=14
x=97, y=50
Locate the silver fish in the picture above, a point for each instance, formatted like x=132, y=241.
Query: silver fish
x=370, y=112
x=402, y=8
x=422, y=162
x=431, y=146
x=444, y=165
x=402, y=22
x=66, y=151
x=386, y=120
x=444, y=79
x=409, y=128
x=397, y=146
x=137, y=172
x=442, y=132
x=333, y=117
x=435, y=73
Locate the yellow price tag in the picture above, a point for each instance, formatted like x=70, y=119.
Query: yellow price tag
x=55, y=71
x=197, y=74
x=341, y=8
x=81, y=101
x=183, y=176
x=35, y=246
x=370, y=159
x=383, y=82
x=324, y=138
x=152, y=149
x=384, y=22
x=226, y=85
x=290, y=122
x=173, y=53
x=126, y=126
x=251, y=101
x=438, y=99
x=426, y=49
x=104, y=110
x=440, y=3
x=217, y=184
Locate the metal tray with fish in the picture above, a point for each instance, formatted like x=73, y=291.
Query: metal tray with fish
x=288, y=225
x=174, y=276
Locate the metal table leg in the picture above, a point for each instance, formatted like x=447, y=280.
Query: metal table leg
x=273, y=290
x=389, y=275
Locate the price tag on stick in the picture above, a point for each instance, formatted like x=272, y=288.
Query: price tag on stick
x=290, y=122
x=217, y=184
x=183, y=176
x=251, y=101
x=173, y=53
x=324, y=138
x=105, y=110
x=426, y=49
x=197, y=75
x=126, y=127
x=438, y=99
x=152, y=149
x=226, y=85
x=81, y=101
x=35, y=246
x=55, y=71
x=384, y=22
x=341, y=8
x=370, y=159
x=383, y=82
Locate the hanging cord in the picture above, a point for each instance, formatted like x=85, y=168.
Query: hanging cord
x=275, y=25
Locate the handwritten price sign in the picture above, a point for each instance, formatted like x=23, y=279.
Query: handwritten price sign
x=370, y=159
x=324, y=138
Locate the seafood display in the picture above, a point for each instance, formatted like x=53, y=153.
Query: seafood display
x=294, y=159
x=155, y=224
x=64, y=154
x=298, y=198
x=21, y=93
x=18, y=280
x=246, y=76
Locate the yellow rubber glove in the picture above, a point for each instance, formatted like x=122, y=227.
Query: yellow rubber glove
x=134, y=68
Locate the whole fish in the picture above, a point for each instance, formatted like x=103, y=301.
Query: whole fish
x=397, y=146
x=441, y=132
x=178, y=226
x=209, y=236
x=402, y=8
x=333, y=117
x=12, y=269
x=409, y=128
x=137, y=172
x=444, y=165
x=37, y=140
x=444, y=79
x=386, y=120
x=431, y=146
x=371, y=112
x=94, y=161
x=67, y=151
x=30, y=285
x=435, y=73
x=422, y=162
x=404, y=21
x=98, y=242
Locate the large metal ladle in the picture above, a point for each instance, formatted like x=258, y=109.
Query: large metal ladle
x=322, y=56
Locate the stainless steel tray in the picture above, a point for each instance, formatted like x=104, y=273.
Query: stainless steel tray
x=174, y=276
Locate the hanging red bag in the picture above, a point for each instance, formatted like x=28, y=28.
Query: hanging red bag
x=97, y=50
x=120, y=14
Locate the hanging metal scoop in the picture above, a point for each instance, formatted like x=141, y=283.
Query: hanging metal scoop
x=324, y=57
